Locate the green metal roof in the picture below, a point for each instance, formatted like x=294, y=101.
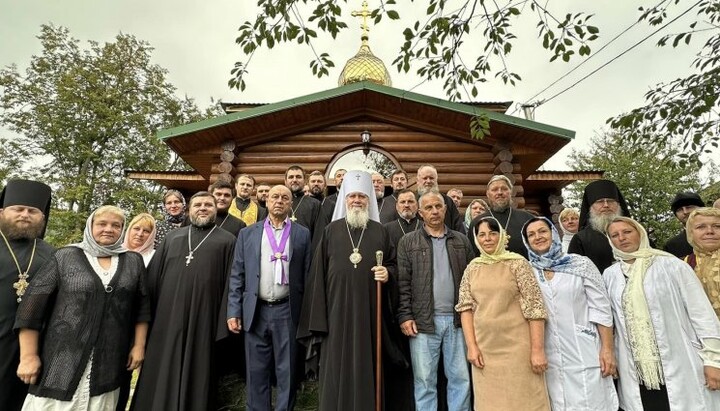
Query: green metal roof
x=353, y=88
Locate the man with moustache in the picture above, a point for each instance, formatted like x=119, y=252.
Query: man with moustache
x=499, y=196
x=272, y=259
x=407, y=220
x=316, y=184
x=682, y=205
x=23, y=218
x=339, y=306
x=244, y=207
x=186, y=283
x=305, y=210
x=386, y=206
x=457, y=195
x=224, y=194
x=427, y=180
x=261, y=193
x=601, y=202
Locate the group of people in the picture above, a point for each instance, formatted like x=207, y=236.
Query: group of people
x=498, y=310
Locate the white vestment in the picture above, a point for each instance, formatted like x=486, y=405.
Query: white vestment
x=682, y=317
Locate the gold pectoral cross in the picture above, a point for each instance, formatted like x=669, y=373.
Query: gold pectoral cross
x=21, y=285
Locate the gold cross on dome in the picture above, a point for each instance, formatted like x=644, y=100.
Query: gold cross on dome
x=364, y=13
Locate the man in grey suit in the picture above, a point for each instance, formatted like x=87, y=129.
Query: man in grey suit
x=267, y=281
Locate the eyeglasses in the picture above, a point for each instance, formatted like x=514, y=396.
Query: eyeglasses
x=606, y=201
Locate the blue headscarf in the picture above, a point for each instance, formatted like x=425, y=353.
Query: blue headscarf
x=557, y=261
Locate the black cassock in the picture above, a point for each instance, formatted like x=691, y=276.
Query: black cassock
x=593, y=245
x=386, y=208
x=12, y=390
x=338, y=315
x=179, y=369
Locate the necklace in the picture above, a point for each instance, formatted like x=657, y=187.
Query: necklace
x=292, y=217
x=355, y=257
x=506, y=223
x=22, y=283
x=191, y=250
x=224, y=219
x=417, y=223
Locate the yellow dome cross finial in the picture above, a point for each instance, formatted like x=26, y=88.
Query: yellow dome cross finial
x=364, y=13
x=364, y=66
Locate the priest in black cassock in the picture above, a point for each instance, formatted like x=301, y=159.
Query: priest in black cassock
x=402, y=394
x=682, y=205
x=601, y=202
x=407, y=220
x=386, y=204
x=337, y=321
x=328, y=205
x=499, y=195
x=23, y=218
x=305, y=209
x=186, y=281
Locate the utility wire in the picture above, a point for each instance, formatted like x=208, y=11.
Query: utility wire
x=517, y=107
x=623, y=53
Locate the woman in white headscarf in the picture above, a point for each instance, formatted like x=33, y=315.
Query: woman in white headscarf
x=667, y=336
x=140, y=236
x=578, y=331
x=569, y=219
x=83, y=320
x=503, y=321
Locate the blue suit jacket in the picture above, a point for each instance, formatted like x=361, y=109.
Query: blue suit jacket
x=245, y=274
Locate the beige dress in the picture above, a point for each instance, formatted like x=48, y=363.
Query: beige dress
x=503, y=297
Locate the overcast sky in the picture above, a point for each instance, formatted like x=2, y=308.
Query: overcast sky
x=195, y=41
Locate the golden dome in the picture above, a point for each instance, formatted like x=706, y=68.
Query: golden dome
x=364, y=66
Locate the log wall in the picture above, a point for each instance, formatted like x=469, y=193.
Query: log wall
x=467, y=166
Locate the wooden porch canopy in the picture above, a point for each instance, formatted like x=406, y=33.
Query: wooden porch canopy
x=412, y=129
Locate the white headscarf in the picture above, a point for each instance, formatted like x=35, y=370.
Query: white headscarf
x=356, y=181
x=89, y=245
x=641, y=333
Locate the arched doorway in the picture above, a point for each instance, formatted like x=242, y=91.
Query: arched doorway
x=368, y=158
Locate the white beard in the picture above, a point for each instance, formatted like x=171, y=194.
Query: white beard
x=600, y=222
x=357, y=218
x=422, y=190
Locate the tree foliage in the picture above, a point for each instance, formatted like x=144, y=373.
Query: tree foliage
x=648, y=177
x=84, y=116
x=684, y=111
x=442, y=46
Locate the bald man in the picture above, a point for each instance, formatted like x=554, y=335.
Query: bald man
x=272, y=259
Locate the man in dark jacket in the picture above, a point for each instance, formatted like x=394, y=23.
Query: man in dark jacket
x=683, y=204
x=431, y=262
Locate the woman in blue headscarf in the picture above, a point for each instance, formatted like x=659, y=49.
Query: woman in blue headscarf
x=578, y=331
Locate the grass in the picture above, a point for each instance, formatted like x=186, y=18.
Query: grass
x=231, y=395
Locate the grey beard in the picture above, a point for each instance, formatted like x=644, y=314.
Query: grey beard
x=499, y=208
x=600, y=222
x=13, y=232
x=422, y=190
x=357, y=218
x=201, y=222
x=379, y=195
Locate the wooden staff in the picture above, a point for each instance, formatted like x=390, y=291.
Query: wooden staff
x=378, y=337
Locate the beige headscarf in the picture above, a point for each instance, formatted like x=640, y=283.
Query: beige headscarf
x=641, y=334
x=707, y=266
x=500, y=253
